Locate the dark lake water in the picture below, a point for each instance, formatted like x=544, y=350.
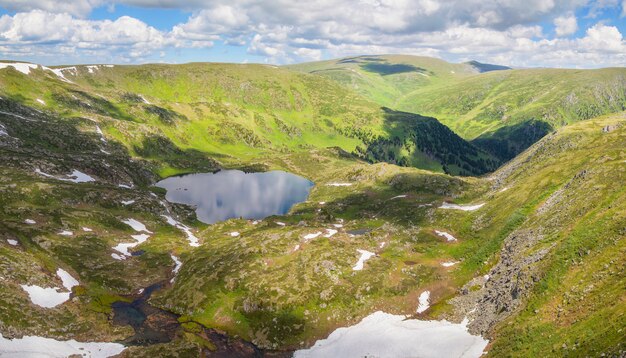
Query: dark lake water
x=233, y=193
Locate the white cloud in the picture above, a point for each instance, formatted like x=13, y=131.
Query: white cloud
x=79, y=8
x=565, y=25
x=284, y=31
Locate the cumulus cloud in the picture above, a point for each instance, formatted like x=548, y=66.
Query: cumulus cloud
x=565, y=25
x=284, y=31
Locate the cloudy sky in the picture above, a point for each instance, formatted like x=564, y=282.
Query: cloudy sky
x=528, y=33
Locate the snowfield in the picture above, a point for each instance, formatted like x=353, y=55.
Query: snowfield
x=75, y=177
x=384, y=335
x=365, y=255
x=51, y=297
x=33, y=346
x=423, y=302
x=193, y=240
x=136, y=225
x=461, y=207
x=448, y=237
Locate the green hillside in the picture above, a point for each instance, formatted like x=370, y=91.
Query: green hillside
x=503, y=112
x=228, y=112
x=550, y=233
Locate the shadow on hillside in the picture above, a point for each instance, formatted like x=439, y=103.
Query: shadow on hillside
x=58, y=145
x=423, y=142
x=508, y=142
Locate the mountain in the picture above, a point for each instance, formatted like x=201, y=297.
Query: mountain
x=503, y=111
x=185, y=112
x=486, y=67
x=532, y=254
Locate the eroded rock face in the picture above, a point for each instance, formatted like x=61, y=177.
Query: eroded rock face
x=490, y=299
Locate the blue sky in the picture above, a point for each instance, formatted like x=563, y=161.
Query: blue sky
x=523, y=33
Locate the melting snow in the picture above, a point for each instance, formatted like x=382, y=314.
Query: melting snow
x=33, y=346
x=123, y=248
x=75, y=177
x=66, y=233
x=3, y=130
x=382, y=244
x=296, y=248
x=127, y=202
x=322, y=202
x=449, y=263
x=86, y=229
x=461, y=207
x=398, y=197
x=339, y=184
x=118, y=257
x=338, y=226
x=234, y=234
x=30, y=221
x=330, y=232
x=136, y=225
x=12, y=242
x=19, y=66
x=67, y=279
x=385, y=335
x=41, y=101
x=193, y=240
x=280, y=223
x=446, y=235
x=177, y=266
x=51, y=297
x=365, y=255
x=423, y=302
x=312, y=236
x=125, y=186
x=144, y=99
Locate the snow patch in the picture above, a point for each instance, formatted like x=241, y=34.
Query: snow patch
x=34, y=346
x=382, y=244
x=193, y=240
x=446, y=235
x=123, y=248
x=30, y=221
x=51, y=297
x=449, y=263
x=384, y=335
x=338, y=226
x=86, y=229
x=330, y=232
x=297, y=247
x=75, y=177
x=177, y=265
x=234, y=234
x=461, y=207
x=68, y=281
x=41, y=101
x=312, y=236
x=365, y=255
x=12, y=242
x=19, y=66
x=125, y=186
x=280, y=223
x=127, y=202
x=66, y=233
x=423, y=302
x=3, y=131
x=136, y=225
x=144, y=99
x=398, y=197
x=339, y=184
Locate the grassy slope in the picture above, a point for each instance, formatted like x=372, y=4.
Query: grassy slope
x=387, y=85
x=228, y=112
x=258, y=278
x=506, y=110
x=566, y=191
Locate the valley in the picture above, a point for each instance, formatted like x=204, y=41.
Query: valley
x=494, y=200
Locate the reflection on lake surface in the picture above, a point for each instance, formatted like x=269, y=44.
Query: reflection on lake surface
x=233, y=193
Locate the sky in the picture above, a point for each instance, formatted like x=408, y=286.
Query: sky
x=519, y=33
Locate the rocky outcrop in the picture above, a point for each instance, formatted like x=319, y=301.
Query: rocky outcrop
x=490, y=299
